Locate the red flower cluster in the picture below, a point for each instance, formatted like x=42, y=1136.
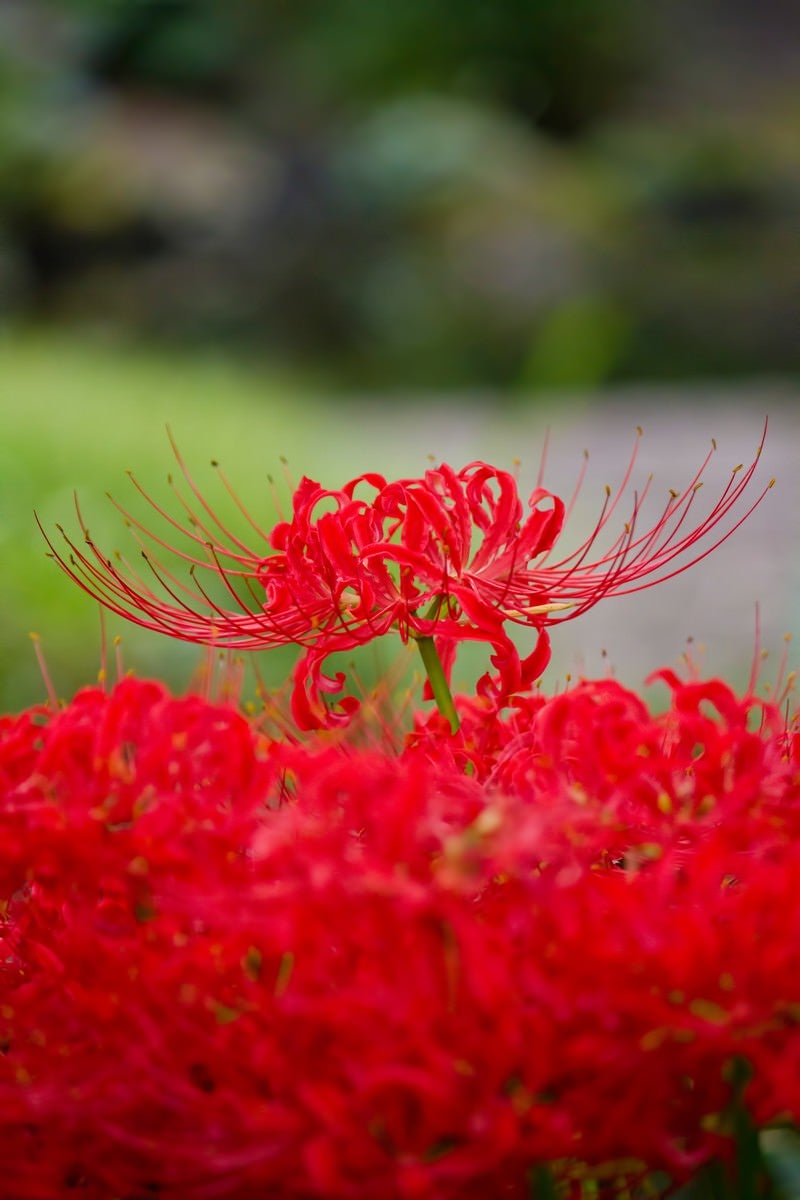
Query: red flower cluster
x=453, y=555
x=235, y=967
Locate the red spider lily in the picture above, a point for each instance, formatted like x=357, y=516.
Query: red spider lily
x=453, y=555
x=208, y=991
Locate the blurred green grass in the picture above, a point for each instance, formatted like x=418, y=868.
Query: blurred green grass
x=76, y=415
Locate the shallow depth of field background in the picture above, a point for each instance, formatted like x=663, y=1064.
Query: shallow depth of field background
x=356, y=235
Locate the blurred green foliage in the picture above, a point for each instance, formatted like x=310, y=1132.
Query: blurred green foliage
x=533, y=193
x=76, y=417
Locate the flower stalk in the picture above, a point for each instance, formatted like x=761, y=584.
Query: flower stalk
x=437, y=679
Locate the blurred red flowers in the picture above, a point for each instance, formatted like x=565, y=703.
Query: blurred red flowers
x=232, y=967
x=453, y=555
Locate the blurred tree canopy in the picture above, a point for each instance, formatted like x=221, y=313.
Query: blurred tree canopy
x=531, y=193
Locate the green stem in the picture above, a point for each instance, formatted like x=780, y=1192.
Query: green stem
x=541, y=1183
x=438, y=681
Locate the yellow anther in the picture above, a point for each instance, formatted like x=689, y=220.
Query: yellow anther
x=536, y=610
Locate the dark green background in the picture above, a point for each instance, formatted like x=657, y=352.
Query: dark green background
x=527, y=194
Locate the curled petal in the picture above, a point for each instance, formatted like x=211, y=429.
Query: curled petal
x=311, y=686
